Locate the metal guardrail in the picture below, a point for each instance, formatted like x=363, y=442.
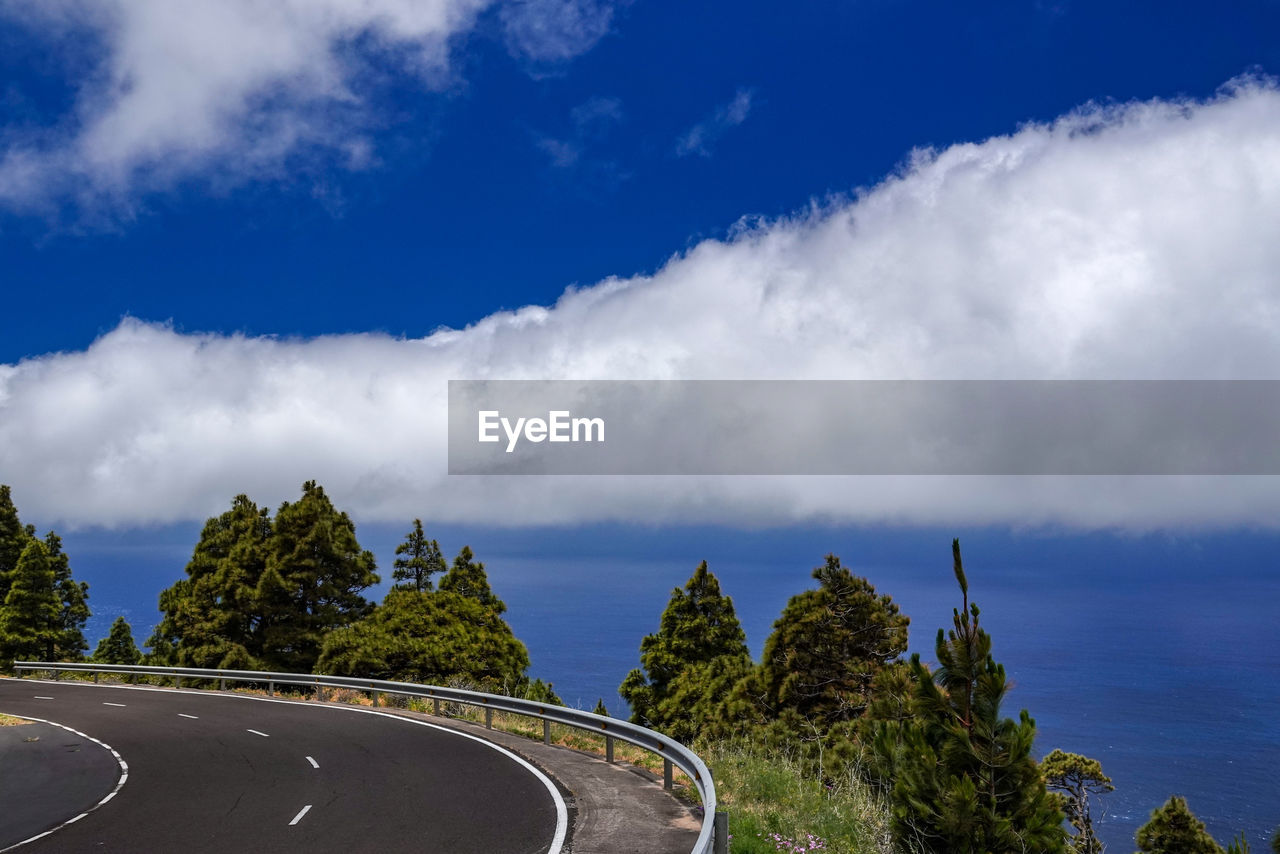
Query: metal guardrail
x=713, y=839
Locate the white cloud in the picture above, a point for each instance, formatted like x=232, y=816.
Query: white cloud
x=702, y=137
x=554, y=30
x=1131, y=242
x=233, y=90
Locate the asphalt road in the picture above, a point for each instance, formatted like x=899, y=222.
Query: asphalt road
x=227, y=773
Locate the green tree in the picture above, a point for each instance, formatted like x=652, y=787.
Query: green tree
x=1275, y=841
x=29, y=615
x=468, y=578
x=1239, y=845
x=428, y=638
x=213, y=618
x=965, y=780
x=13, y=539
x=1174, y=829
x=1077, y=777
x=422, y=560
x=828, y=646
x=698, y=625
x=73, y=605
x=118, y=646
x=600, y=708
x=711, y=699
x=312, y=584
x=67, y=642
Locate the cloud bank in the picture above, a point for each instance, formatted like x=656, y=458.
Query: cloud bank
x=229, y=91
x=1127, y=242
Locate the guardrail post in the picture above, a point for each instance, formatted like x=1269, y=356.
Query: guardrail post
x=608, y=749
x=435, y=706
x=720, y=834
x=666, y=773
x=488, y=718
x=319, y=693
x=546, y=731
x=95, y=677
x=375, y=699
x=177, y=682
x=271, y=689
x=55, y=675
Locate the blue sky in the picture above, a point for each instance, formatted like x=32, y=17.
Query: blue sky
x=245, y=244
x=465, y=208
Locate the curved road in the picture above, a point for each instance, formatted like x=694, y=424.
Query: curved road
x=214, y=772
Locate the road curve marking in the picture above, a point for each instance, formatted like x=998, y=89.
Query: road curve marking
x=297, y=818
x=255, y=732
x=314, y=764
x=193, y=717
x=124, y=776
x=562, y=811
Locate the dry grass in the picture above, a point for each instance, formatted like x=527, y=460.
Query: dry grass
x=7, y=720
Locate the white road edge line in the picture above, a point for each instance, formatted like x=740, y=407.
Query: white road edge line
x=124, y=776
x=255, y=732
x=193, y=717
x=121, y=705
x=297, y=818
x=562, y=811
x=314, y=764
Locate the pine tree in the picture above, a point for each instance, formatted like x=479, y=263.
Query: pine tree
x=118, y=647
x=1174, y=829
x=313, y=580
x=212, y=617
x=428, y=638
x=699, y=624
x=468, y=578
x=73, y=605
x=423, y=559
x=29, y=615
x=965, y=780
x=13, y=539
x=828, y=646
x=1077, y=777
x=600, y=708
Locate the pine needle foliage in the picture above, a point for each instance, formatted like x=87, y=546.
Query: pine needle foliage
x=1174, y=829
x=965, y=780
x=422, y=559
x=118, y=646
x=697, y=626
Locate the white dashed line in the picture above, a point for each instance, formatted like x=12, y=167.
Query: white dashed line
x=193, y=717
x=255, y=732
x=44, y=698
x=124, y=776
x=297, y=818
x=314, y=764
x=121, y=705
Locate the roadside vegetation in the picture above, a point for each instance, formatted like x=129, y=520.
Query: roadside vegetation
x=833, y=741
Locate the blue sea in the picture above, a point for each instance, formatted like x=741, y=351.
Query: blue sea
x=1158, y=655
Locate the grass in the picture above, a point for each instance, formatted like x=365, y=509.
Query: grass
x=773, y=806
x=7, y=720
